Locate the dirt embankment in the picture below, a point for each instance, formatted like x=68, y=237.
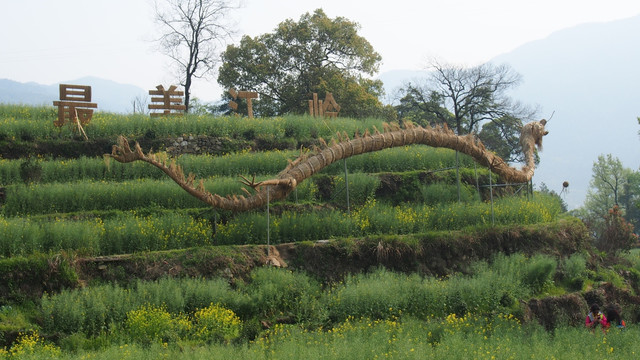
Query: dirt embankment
x=434, y=254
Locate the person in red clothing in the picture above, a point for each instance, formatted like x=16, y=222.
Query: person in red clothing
x=595, y=318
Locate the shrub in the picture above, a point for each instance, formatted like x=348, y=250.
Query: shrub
x=30, y=170
x=285, y=295
x=573, y=270
x=633, y=257
x=151, y=323
x=617, y=233
x=33, y=345
x=538, y=273
x=574, y=266
x=215, y=323
x=381, y=294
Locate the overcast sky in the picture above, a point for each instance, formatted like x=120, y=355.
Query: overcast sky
x=49, y=41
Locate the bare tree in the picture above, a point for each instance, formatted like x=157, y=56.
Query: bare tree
x=477, y=94
x=139, y=104
x=194, y=31
x=470, y=100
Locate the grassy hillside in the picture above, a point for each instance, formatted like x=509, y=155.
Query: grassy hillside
x=93, y=250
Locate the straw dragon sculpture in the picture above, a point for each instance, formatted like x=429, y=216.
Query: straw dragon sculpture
x=308, y=164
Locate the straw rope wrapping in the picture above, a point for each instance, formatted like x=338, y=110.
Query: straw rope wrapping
x=308, y=164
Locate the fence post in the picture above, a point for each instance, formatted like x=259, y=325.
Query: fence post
x=458, y=175
x=493, y=220
x=268, y=224
x=346, y=183
x=475, y=170
x=531, y=181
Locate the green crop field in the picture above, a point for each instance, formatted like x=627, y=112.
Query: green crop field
x=113, y=261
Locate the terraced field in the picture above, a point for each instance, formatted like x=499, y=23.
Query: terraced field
x=382, y=244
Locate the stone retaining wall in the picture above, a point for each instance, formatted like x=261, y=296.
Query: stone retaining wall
x=197, y=144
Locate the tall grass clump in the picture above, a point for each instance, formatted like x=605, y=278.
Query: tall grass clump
x=385, y=295
x=380, y=295
x=492, y=288
x=97, y=309
x=573, y=270
x=361, y=188
x=539, y=272
x=633, y=256
x=536, y=273
x=286, y=295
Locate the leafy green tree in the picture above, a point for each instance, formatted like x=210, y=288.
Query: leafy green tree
x=316, y=54
x=612, y=185
x=607, y=184
x=467, y=99
x=423, y=107
x=630, y=199
x=503, y=137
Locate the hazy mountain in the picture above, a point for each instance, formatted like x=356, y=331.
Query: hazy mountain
x=589, y=76
x=13, y=92
x=109, y=95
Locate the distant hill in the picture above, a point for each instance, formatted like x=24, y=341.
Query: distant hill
x=109, y=95
x=590, y=76
x=13, y=92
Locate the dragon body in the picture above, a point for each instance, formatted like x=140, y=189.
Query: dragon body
x=308, y=164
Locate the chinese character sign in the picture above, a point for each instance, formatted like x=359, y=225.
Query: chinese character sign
x=74, y=104
x=242, y=95
x=169, y=101
x=327, y=108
